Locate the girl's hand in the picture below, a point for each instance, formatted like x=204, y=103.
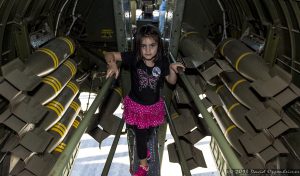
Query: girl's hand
x=176, y=67
x=112, y=69
x=111, y=59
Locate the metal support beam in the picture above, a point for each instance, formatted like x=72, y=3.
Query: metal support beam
x=225, y=147
x=183, y=163
x=260, y=11
x=272, y=41
x=120, y=25
x=176, y=26
x=289, y=23
x=112, y=150
x=4, y=19
x=22, y=41
x=167, y=93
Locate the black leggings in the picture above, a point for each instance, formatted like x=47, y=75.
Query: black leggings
x=141, y=137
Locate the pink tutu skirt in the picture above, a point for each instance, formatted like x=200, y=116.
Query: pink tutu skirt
x=143, y=116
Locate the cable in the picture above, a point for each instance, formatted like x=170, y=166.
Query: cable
x=59, y=15
x=224, y=21
x=74, y=18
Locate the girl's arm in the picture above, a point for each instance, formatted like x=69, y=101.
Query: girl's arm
x=111, y=59
x=174, y=69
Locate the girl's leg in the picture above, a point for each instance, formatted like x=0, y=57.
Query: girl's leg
x=142, y=137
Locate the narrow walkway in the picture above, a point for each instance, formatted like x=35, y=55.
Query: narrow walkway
x=90, y=159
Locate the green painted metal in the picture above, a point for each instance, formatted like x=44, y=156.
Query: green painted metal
x=206, y=13
x=37, y=8
x=220, y=160
x=259, y=9
x=176, y=26
x=235, y=24
x=21, y=10
x=296, y=11
x=183, y=163
x=226, y=149
x=122, y=28
x=237, y=14
x=272, y=37
x=130, y=142
x=88, y=116
x=162, y=130
x=242, y=14
x=120, y=25
x=288, y=19
x=169, y=11
x=21, y=30
x=247, y=10
x=271, y=45
x=7, y=8
x=125, y=80
x=161, y=135
x=112, y=149
x=272, y=11
x=69, y=166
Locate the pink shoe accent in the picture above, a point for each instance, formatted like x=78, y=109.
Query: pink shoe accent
x=148, y=154
x=142, y=171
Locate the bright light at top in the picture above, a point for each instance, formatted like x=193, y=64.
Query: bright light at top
x=138, y=13
x=155, y=13
x=127, y=14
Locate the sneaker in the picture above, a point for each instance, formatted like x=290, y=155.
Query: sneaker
x=142, y=171
x=148, y=155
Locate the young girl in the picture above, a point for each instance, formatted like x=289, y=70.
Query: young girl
x=143, y=107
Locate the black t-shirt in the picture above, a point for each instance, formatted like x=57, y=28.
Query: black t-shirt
x=145, y=81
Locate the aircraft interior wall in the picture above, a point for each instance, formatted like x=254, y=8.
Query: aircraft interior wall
x=241, y=84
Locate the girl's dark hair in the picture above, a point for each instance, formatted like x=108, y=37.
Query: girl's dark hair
x=148, y=30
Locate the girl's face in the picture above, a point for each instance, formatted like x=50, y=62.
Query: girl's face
x=148, y=48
